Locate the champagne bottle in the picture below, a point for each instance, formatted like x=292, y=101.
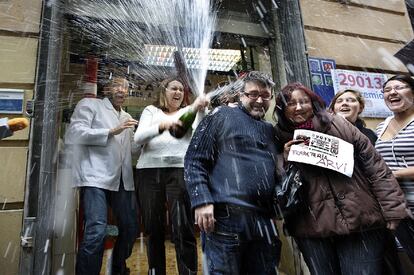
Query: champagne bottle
x=187, y=120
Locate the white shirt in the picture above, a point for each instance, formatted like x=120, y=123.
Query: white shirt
x=161, y=150
x=98, y=159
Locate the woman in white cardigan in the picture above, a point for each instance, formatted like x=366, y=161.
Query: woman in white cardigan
x=161, y=178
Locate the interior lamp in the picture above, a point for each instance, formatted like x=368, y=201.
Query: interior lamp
x=195, y=58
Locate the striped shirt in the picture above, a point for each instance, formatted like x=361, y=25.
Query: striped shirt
x=398, y=153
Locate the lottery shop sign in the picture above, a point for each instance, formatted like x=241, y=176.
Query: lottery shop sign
x=370, y=86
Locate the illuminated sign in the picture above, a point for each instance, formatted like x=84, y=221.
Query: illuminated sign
x=212, y=59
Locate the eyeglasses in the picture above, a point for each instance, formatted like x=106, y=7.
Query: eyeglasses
x=292, y=104
x=255, y=96
x=396, y=88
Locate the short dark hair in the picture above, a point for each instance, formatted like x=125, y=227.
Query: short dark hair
x=259, y=78
x=402, y=78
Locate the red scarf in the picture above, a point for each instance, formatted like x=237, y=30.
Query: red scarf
x=308, y=125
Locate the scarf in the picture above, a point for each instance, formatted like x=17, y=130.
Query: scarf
x=308, y=125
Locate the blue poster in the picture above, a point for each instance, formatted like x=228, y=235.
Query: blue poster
x=321, y=77
x=11, y=101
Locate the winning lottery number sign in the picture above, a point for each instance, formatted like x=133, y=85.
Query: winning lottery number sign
x=370, y=86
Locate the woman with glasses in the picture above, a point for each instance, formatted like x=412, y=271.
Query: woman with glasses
x=396, y=145
x=340, y=225
x=161, y=178
x=350, y=104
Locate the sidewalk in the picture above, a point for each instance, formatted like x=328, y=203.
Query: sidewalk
x=137, y=263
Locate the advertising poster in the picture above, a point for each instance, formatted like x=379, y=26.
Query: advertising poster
x=320, y=70
x=370, y=86
x=324, y=151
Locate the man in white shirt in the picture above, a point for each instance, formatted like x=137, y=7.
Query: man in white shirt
x=101, y=133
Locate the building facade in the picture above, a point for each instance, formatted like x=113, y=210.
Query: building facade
x=43, y=55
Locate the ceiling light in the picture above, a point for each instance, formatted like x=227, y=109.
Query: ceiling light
x=214, y=59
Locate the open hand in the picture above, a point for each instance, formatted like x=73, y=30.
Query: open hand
x=130, y=123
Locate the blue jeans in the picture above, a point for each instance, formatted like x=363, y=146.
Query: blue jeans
x=356, y=253
x=243, y=242
x=124, y=207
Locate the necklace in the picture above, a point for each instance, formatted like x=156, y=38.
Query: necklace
x=395, y=126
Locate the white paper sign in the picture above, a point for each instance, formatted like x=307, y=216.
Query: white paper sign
x=370, y=86
x=324, y=151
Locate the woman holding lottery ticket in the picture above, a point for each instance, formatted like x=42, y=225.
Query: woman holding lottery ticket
x=340, y=226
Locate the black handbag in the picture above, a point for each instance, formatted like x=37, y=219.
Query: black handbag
x=288, y=195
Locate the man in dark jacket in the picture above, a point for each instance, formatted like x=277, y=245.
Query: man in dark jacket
x=230, y=172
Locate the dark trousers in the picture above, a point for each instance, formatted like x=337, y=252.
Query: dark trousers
x=243, y=242
x=392, y=264
x=405, y=235
x=124, y=207
x=156, y=188
x=356, y=253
